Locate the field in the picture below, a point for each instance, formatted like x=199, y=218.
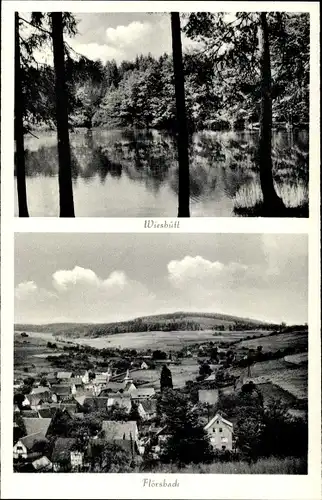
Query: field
x=30, y=354
x=165, y=340
x=280, y=341
x=180, y=374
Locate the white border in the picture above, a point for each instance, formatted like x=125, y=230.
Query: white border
x=130, y=486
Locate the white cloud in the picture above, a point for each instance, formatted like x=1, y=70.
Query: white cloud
x=207, y=274
x=81, y=295
x=126, y=36
x=25, y=289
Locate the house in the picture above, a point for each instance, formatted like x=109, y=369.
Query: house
x=29, y=413
x=114, y=431
x=80, y=399
x=147, y=408
x=129, y=386
x=36, y=425
x=113, y=387
x=64, y=375
x=220, y=433
x=95, y=403
x=62, y=454
x=44, y=392
x=42, y=464
x=122, y=401
x=101, y=379
x=29, y=446
x=142, y=393
x=208, y=396
x=35, y=401
x=60, y=392
x=85, y=377
x=71, y=408
x=144, y=366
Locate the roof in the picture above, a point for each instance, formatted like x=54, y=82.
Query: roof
x=142, y=392
x=40, y=390
x=149, y=405
x=61, y=390
x=34, y=425
x=113, y=430
x=80, y=399
x=47, y=412
x=42, y=463
x=34, y=399
x=62, y=448
x=70, y=407
x=29, y=413
x=30, y=440
x=114, y=386
x=75, y=381
x=119, y=399
x=62, y=375
x=99, y=403
x=218, y=417
x=208, y=396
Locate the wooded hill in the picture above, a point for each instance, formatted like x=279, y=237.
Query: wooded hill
x=179, y=321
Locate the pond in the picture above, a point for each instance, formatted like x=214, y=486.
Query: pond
x=134, y=173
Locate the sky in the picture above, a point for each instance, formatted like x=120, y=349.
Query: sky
x=119, y=36
x=101, y=277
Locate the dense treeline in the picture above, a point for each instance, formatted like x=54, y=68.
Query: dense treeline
x=141, y=93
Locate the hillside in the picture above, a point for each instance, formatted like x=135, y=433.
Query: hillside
x=161, y=322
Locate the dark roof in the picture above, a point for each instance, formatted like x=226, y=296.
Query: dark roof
x=149, y=405
x=31, y=439
x=62, y=448
x=35, y=425
x=70, y=407
x=99, y=403
x=29, y=413
x=122, y=443
x=61, y=389
x=47, y=412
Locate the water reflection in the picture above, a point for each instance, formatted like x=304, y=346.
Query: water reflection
x=135, y=172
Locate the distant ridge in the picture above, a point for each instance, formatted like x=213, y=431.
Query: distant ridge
x=178, y=321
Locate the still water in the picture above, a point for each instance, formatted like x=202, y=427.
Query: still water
x=134, y=173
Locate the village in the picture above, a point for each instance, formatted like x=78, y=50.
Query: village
x=90, y=420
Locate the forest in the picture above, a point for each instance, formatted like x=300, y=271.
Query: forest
x=248, y=71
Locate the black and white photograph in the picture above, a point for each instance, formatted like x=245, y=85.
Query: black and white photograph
x=143, y=114
x=172, y=355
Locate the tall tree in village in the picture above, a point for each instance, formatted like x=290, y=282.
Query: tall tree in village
x=19, y=130
x=182, y=133
x=166, y=378
x=272, y=202
x=66, y=201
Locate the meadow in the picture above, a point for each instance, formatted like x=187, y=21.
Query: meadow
x=280, y=341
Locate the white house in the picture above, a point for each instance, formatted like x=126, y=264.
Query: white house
x=144, y=366
x=220, y=432
x=24, y=447
x=85, y=377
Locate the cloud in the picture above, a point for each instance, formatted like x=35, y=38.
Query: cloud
x=84, y=296
x=207, y=274
x=126, y=36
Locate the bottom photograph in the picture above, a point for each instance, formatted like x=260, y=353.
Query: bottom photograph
x=162, y=353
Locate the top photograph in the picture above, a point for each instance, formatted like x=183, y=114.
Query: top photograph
x=197, y=114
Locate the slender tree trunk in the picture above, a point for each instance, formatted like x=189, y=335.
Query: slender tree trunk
x=19, y=132
x=66, y=201
x=273, y=204
x=182, y=137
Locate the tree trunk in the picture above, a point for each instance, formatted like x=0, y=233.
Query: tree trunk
x=273, y=204
x=19, y=132
x=182, y=133
x=66, y=202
